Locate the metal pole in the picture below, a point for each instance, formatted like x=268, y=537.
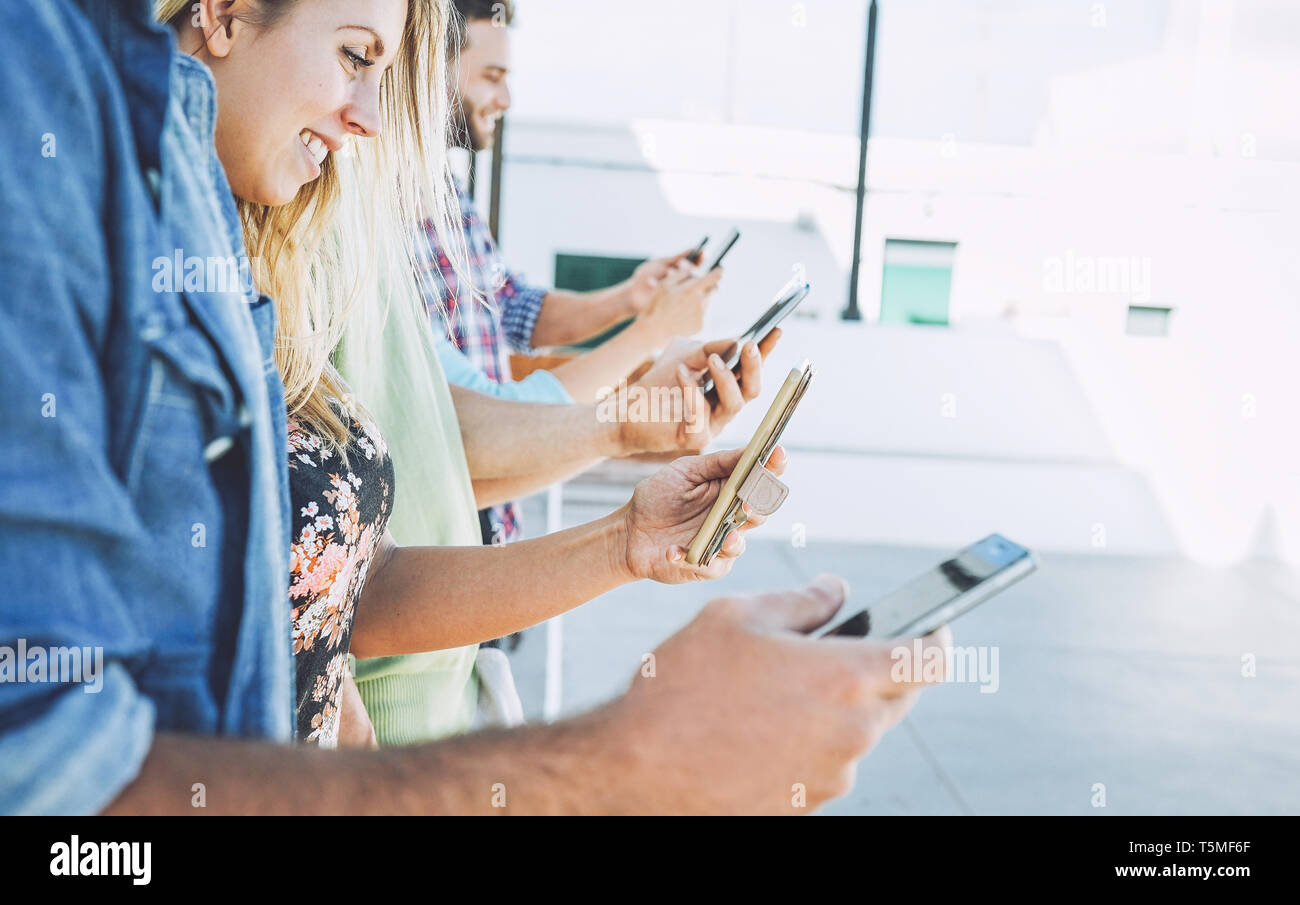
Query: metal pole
x=851, y=313
x=498, y=152
x=471, y=183
x=553, y=691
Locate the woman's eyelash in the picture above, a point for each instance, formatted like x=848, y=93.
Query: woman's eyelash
x=356, y=58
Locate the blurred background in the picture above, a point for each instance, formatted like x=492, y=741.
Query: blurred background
x=1075, y=323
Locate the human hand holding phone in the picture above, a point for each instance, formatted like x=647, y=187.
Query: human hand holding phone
x=640, y=289
x=749, y=689
x=787, y=300
x=667, y=510
x=678, y=308
x=697, y=420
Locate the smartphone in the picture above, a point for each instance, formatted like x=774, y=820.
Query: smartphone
x=696, y=254
x=731, y=240
x=750, y=483
x=786, y=301
x=951, y=588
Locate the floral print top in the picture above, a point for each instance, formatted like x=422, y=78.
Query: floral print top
x=340, y=515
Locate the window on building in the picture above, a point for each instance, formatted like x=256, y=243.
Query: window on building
x=916, y=282
x=585, y=273
x=1146, y=320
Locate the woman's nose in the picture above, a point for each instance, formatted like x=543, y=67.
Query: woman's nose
x=361, y=117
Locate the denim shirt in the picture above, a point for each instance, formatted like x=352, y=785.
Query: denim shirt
x=143, y=482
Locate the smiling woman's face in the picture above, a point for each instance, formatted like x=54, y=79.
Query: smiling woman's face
x=292, y=92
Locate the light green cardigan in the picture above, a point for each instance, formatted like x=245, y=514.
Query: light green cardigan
x=418, y=697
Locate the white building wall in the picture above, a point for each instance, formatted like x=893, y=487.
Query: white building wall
x=1189, y=440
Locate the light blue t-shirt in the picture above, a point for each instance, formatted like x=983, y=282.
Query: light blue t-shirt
x=539, y=386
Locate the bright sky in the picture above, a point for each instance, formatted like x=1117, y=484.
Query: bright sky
x=981, y=70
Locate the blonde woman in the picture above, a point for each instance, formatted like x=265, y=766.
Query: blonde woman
x=300, y=81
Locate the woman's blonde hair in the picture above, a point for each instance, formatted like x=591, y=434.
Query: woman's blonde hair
x=336, y=256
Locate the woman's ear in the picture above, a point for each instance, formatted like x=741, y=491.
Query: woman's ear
x=220, y=23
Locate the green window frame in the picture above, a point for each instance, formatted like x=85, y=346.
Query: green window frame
x=916, y=282
x=587, y=273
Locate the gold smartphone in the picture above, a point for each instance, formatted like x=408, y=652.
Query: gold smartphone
x=750, y=482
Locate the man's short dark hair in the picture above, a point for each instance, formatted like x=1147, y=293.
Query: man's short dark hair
x=500, y=12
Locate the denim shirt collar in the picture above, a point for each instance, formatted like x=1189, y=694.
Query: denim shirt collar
x=194, y=89
x=140, y=49
x=200, y=212
x=195, y=92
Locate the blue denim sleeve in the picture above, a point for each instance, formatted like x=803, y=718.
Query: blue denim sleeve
x=64, y=515
x=539, y=386
x=520, y=305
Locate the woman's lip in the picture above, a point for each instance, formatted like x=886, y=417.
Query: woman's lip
x=315, y=167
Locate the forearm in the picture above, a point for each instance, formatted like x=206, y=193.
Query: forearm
x=495, y=491
x=504, y=440
x=542, y=770
x=570, y=317
x=259, y=778
x=434, y=598
x=585, y=376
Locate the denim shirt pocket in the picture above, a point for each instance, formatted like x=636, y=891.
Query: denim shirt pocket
x=188, y=396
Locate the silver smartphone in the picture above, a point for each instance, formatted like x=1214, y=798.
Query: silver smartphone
x=732, y=238
x=939, y=596
x=787, y=300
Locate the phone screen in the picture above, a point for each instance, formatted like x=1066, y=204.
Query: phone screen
x=951, y=588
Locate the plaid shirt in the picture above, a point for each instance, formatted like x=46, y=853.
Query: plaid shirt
x=478, y=329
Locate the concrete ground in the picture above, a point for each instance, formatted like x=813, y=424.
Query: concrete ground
x=1112, y=670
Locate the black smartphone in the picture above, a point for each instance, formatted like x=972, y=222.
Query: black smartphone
x=786, y=301
x=953, y=587
x=696, y=254
x=731, y=239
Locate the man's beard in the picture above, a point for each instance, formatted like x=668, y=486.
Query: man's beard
x=464, y=134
